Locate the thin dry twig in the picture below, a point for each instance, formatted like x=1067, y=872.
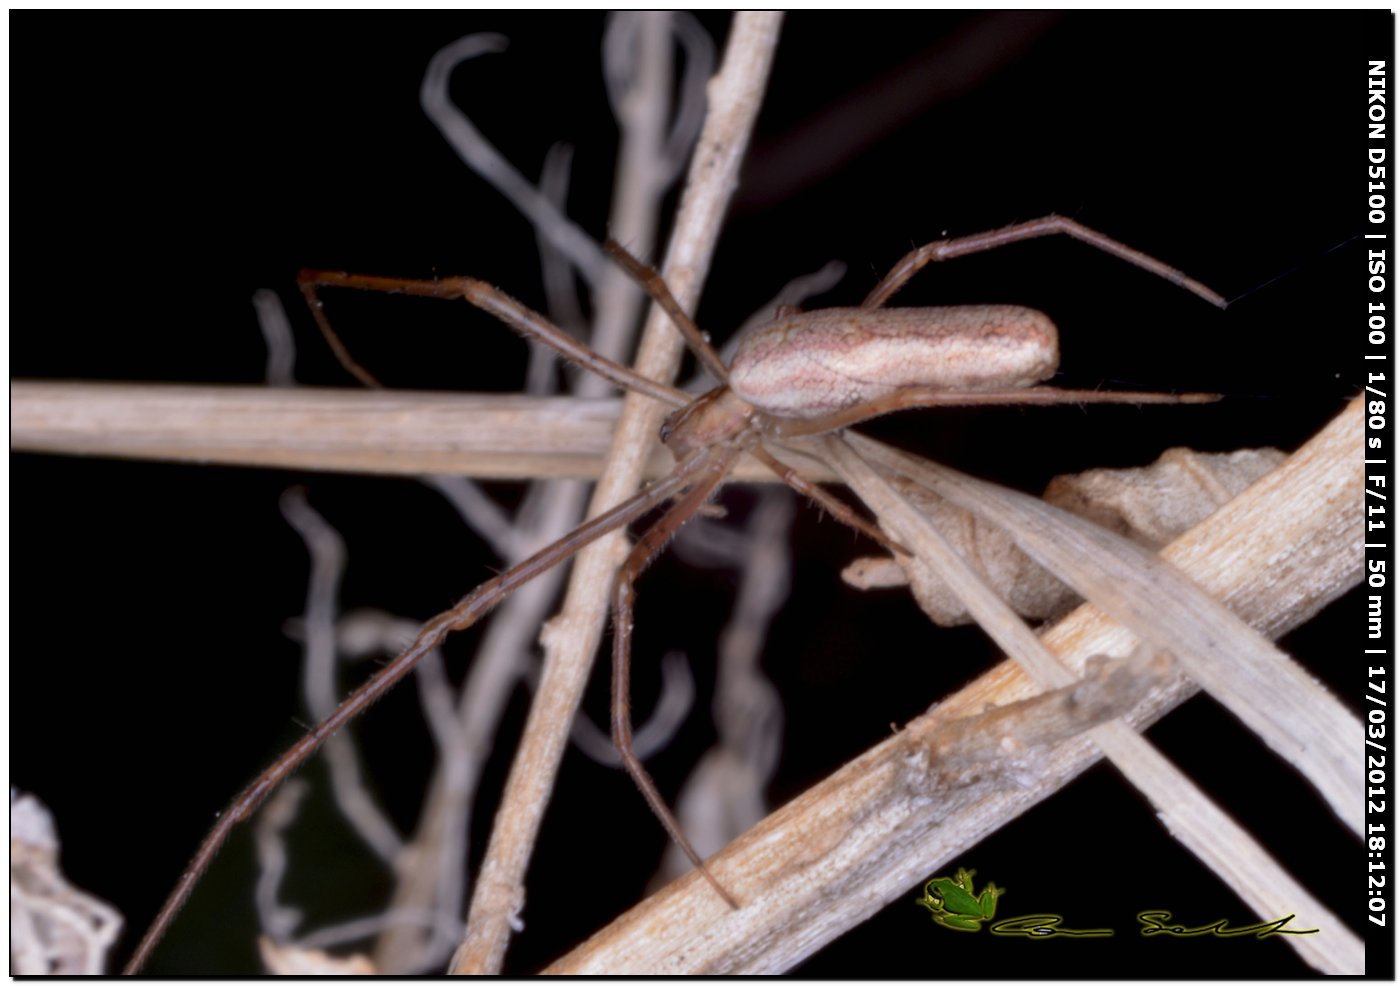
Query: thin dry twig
x=838, y=853
x=485, y=160
x=437, y=858
x=654, y=734
x=319, y=686
x=418, y=928
x=413, y=929
x=323, y=637
x=277, y=334
x=277, y=920
x=571, y=639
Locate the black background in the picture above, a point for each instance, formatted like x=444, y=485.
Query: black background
x=163, y=170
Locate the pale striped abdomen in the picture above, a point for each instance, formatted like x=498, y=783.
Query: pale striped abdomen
x=809, y=365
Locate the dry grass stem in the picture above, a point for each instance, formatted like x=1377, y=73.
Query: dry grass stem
x=490, y=436
x=639, y=73
x=838, y=853
x=572, y=638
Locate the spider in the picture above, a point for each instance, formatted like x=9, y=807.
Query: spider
x=803, y=374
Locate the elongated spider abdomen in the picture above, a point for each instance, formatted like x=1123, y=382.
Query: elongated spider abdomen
x=813, y=364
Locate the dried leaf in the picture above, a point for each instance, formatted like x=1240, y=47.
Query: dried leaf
x=1155, y=504
x=1150, y=504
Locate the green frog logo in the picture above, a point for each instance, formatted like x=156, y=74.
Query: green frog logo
x=954, y=905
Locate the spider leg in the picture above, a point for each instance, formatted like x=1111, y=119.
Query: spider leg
x=717, y=462
x=472, y=608
x=960, y=246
